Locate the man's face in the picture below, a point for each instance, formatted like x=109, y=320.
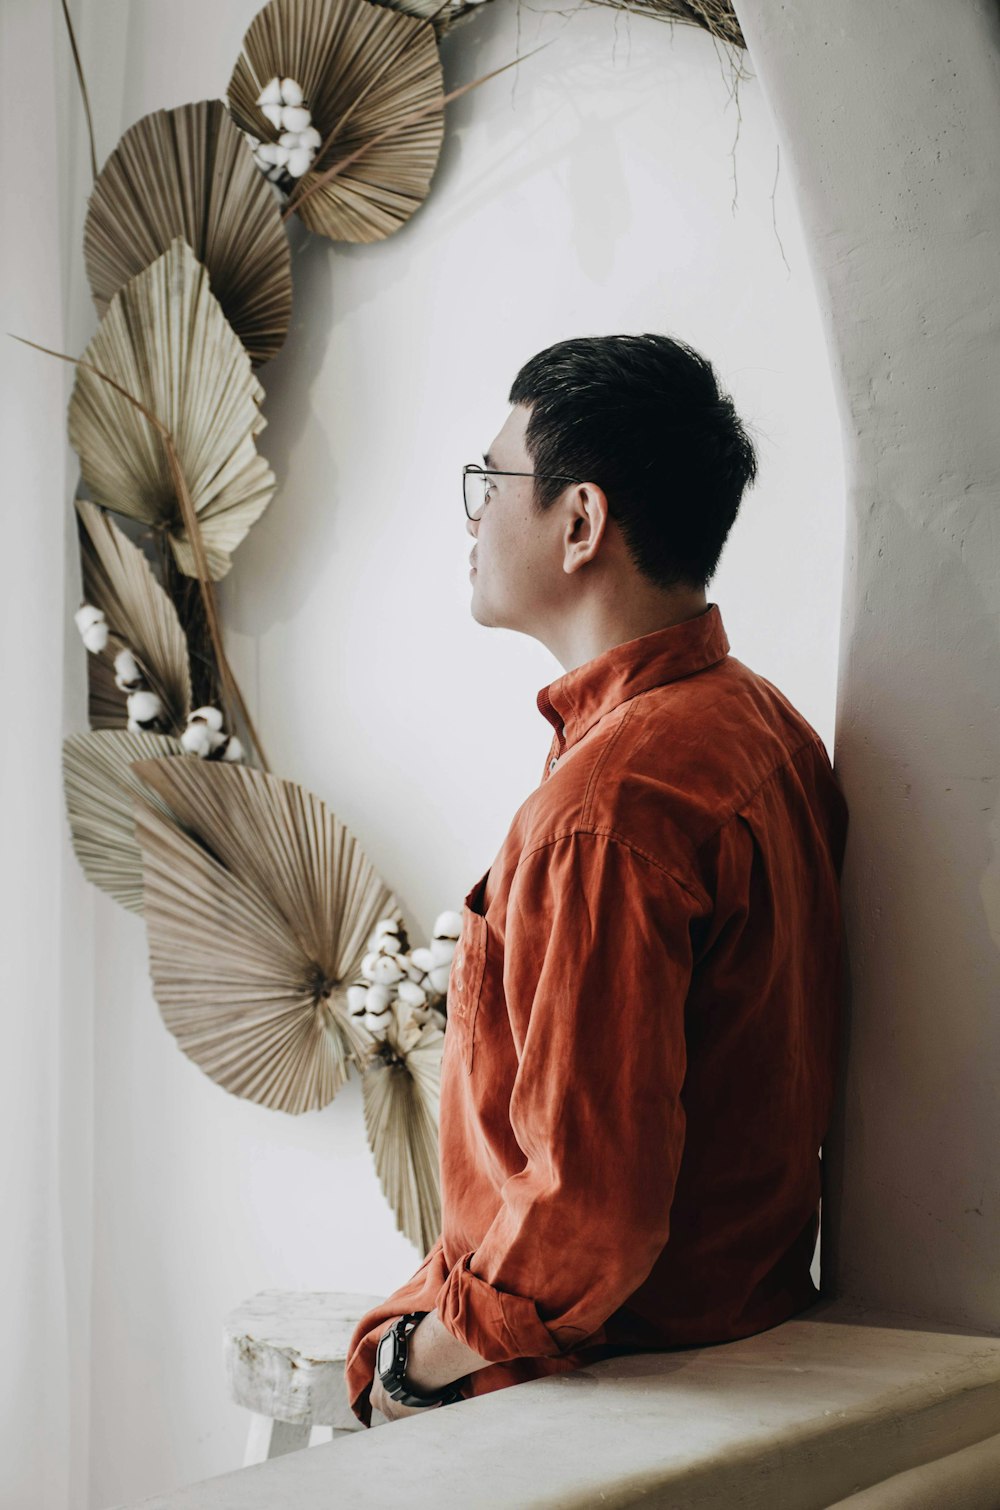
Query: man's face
x=518, y=555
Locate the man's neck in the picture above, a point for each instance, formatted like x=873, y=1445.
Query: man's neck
x=572, y=645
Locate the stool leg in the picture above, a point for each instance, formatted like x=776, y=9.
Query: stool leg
x=272, y=1439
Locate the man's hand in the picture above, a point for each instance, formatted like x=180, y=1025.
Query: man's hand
x=394, y=1410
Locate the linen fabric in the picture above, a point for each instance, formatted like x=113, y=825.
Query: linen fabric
x=643, y=1027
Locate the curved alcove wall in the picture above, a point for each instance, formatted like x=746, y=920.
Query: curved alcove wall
x=889, y=116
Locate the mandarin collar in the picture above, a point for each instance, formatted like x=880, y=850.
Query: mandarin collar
x=576, y=700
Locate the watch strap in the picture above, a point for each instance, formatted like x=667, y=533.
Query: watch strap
x=393, y=1380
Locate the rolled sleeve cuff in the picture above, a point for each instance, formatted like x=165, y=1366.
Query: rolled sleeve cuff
x=496, y=1324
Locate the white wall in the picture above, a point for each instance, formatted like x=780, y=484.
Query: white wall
x=589, y=190
x=891, y=115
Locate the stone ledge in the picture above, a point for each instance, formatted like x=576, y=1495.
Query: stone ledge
x=811, y=1412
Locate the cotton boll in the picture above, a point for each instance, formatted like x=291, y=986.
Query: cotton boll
x=357, y=999
x=128, y=677
x=195, y=739
x=386, y=925
x=233, y=749
x=310, y=137
x=438, y=978
x=267, y=153
x=367, y=964
x=299, y=160
x=86, y=615
x=447, y=926
x=290, y=139
x=423, y=959
x=295, y=118
x=135, y=727
x=144, y=706
x=413, y=972
x=95, y=636
x=291, y=92
x=412, y=994
x=271, y=92
x=215, y=740
x=385, y=970
x=275, y=114
x=377, y=1022
x=379, y=998
x=442, y=951
x=209, y=715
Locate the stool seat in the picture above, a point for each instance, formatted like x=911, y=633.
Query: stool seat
x=285, y=1352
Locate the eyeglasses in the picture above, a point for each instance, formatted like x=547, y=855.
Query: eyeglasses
x=476, y=485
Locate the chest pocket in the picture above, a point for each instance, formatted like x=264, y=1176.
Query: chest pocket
x=468, y=967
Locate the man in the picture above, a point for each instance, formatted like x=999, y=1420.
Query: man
x=643, y=1006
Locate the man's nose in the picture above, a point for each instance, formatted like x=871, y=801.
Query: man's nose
x=471, y=526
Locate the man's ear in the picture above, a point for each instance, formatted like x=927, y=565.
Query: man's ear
x=587, y=524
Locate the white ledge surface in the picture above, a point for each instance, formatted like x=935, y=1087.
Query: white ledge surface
x=836, y=1401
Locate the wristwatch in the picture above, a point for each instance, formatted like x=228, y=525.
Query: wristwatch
x=390, y=1360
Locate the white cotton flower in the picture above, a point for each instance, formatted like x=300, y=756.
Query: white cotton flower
x=409, y=992
x=438, y=978
x=135, y=727
x=144, y=706
x=310, y=137
x=379, y=998
x=275, y=114
x=291, y=92
x=128, y=677
x=271, y=92
x=86, y=615
x=196, y=739
x=448, y=925
x=299, y=161
x=366, y=966
x=233, y=750
x=377, y=1022
x=442, y=951
x=413, y=971
x=385, y=970
x=207, y=715
x=95, y=636
x=388, y=943
x=357, y=998
x=423, y=959
x=295, y=118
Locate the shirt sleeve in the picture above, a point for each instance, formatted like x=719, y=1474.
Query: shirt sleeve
x=597, y=967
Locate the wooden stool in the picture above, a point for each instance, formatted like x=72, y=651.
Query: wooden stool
x=285, y=1353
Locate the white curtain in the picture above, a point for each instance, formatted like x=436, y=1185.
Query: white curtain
x=45, y=906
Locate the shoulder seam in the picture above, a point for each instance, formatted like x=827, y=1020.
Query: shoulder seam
x=810, y=743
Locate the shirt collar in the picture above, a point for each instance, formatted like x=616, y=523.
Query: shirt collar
x=576, y=700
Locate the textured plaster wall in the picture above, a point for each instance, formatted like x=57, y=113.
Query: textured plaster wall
x=889, y=119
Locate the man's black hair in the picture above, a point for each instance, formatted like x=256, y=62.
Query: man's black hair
x=643, y=417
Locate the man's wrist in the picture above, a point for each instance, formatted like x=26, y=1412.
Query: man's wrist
x=435, y=1358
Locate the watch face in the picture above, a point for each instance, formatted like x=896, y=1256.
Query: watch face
x=384, y=1352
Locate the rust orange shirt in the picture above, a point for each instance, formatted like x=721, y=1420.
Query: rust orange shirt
x=642, y=1038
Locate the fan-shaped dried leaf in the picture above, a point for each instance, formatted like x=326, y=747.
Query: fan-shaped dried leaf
x=401, y=1100
x=118, y=579
x=166, y=341
x=258, y=911
x=362, y=67
x=100, y=789
x=189, y=172
x=443, y=18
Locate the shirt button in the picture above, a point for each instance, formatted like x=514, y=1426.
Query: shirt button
x=552, y=763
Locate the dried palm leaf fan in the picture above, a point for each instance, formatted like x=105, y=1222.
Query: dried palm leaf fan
x=166, y=341
x=444, y=15
x=361, y=67
x=715, y=16
x=188, y=172
x=100, y=789
x=258, y=905
x=118, y=579
x=401, y=1098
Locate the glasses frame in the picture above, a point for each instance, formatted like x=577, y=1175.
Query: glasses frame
x=473, y=466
